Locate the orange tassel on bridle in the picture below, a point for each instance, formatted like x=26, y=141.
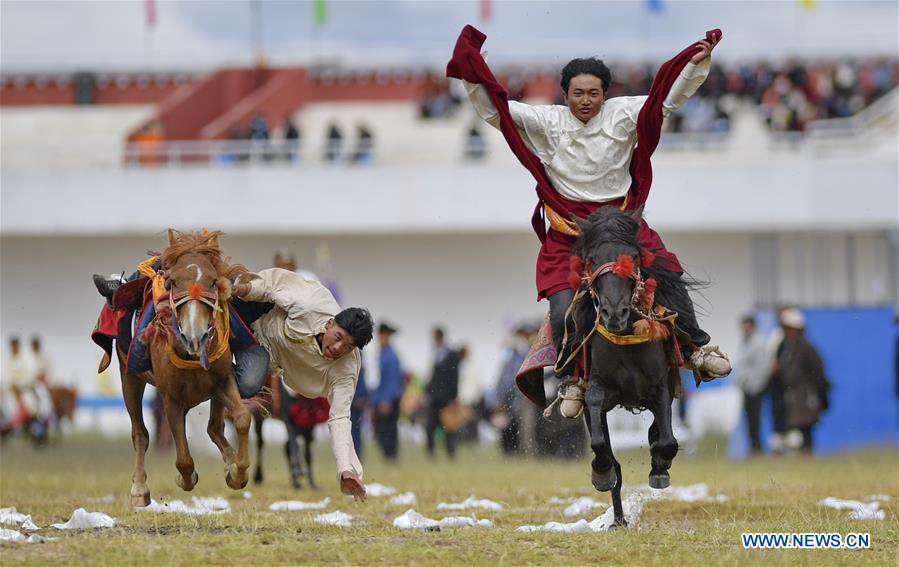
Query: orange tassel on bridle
x=623, y=267
x=195, y=291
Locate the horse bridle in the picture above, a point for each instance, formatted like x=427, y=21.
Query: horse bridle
x=177, y=299
x=609, y=267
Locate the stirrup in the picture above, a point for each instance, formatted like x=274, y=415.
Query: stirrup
x=562, y=397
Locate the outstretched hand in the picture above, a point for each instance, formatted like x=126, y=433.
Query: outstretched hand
x=350, y=484
x=705, y=49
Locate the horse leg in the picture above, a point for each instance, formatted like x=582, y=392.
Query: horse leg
x=216, y=430
x=603, y=475
x=133, y=392
x=662, y=444
x=616, y=490
x=187, y=476
x=292, y=449
x=257, y=428
x=237, y=475
x=308, y=434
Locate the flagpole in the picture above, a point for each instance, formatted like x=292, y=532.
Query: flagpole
x=258, y=57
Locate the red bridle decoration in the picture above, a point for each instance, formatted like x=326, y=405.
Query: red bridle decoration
x=577, y=271
x=623, y=267
x=195, y=291
x=646, y=258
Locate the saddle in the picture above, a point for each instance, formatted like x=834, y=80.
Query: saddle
x=134, y=311
x=542, y=354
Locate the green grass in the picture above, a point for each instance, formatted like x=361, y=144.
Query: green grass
x=765, y=495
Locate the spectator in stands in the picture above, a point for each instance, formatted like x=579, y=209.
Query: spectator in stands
x=752, y=372
x=436, y=100
x=333, y=144
x=291, y=141
x=443, y=389
x=365, y=142
x=237, y=138
x=385, y=400
x=148, y=143
x=475, y=146
x=806, y=388
x=259, y=135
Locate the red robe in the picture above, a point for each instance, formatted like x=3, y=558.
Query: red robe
x=553, y=260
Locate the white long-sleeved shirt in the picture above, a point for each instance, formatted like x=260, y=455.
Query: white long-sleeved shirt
x=587, y=162
x=752, y=365
x=302, y=309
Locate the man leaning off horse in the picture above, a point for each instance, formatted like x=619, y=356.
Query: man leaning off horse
x=586, y=149
x=305, y=333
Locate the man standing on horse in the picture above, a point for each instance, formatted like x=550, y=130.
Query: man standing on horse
x=586, y=149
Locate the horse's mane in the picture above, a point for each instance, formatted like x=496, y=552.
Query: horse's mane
x=612, y=225
x=607, y=224
x=205, y=243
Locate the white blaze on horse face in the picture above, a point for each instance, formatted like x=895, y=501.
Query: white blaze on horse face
x=199, y=272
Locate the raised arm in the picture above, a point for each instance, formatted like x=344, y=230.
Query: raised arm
x=535, y=124
x=691, y=78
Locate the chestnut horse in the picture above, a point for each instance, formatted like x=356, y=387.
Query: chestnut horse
x=191, y=359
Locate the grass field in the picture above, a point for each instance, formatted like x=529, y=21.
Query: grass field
x=765, y=495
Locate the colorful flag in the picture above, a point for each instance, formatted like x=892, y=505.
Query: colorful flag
x=150, y=12
x=655, y=6
x=486, y=10
x=321, y=12
x=808, y=4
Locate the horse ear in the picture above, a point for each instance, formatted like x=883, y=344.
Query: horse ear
x=637, y=214
x=580, y=222
x=214, y=240
x=172, y=236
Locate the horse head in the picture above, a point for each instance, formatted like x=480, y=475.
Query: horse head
x=610, y=256
x=195, y=290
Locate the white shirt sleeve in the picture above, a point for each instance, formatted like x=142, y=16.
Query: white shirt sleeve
x=340, y=396
x=535, y=123
x=689, y=80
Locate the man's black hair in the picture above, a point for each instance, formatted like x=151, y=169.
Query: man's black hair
x=588, y=66
x=358, y=323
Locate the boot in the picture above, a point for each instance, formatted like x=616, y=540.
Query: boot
x=571, y=398
x=107, y=287
x=708, y=362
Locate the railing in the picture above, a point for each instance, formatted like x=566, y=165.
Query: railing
x=402, y=151
x=883, y=111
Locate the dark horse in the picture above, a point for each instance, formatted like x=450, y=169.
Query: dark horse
x=278, y=402
x=614, y=315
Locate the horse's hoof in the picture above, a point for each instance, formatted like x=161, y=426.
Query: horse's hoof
x=140, y=500
x=659, y=480
x=236, y=481
x=194, y=479
x=604, y=481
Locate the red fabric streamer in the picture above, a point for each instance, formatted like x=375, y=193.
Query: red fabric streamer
x=552, y=272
